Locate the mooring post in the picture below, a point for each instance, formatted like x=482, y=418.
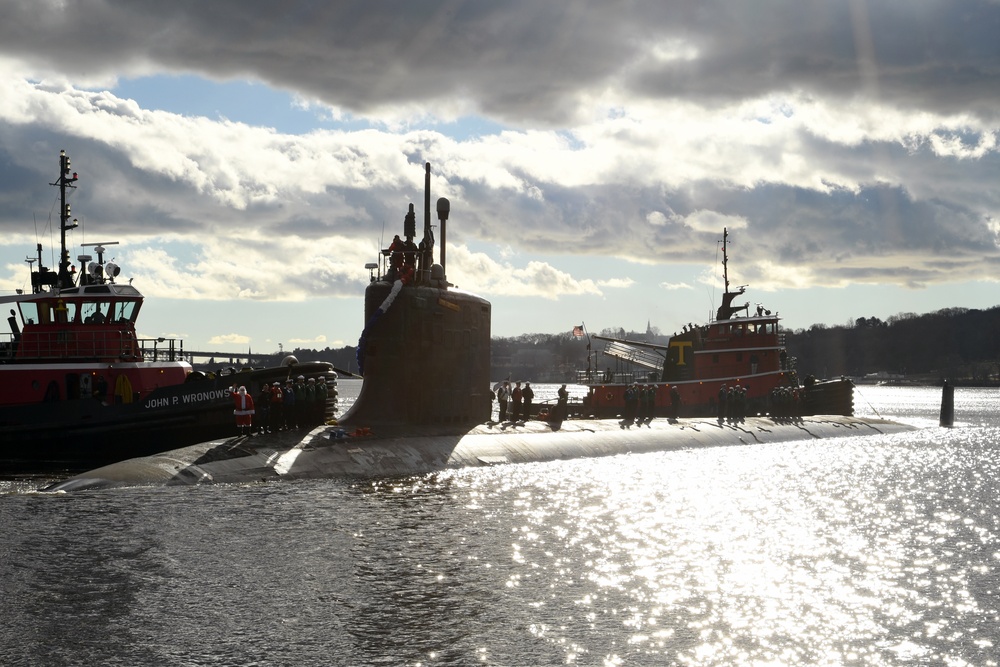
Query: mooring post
x=947, y=405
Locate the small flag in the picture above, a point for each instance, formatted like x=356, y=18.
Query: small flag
x=578, y=331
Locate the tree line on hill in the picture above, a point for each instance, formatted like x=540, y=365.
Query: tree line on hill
x=958, y=344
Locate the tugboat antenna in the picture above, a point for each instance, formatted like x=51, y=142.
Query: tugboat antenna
x=64, y=181
x=725, y=258
x=726, y=310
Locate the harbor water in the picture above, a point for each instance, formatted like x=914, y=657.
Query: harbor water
x=880, y=550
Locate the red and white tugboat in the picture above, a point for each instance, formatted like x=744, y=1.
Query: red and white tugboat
x=738, y=359
x=79, y=387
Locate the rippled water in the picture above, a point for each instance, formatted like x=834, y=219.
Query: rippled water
x=867, y=551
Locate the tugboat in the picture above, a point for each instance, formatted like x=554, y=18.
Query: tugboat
x=79, y=388
x=425, y=403
x=736, y=365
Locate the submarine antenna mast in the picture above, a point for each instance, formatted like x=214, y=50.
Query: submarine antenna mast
x=427, y=244
x=64, y=181
x=427, y=201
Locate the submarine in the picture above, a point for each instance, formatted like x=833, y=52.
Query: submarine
x=425, y=403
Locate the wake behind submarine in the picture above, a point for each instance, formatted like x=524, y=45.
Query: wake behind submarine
x=425, y=402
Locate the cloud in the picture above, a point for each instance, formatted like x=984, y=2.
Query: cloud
x=317, y=341
x=675, y=286
x=230, y=339
x=838, y=143
x=616, y=283
x=499, y=58
x=712, y=221
x=477, y=272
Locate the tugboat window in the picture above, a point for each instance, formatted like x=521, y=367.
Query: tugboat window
x=63, y=312
x=124, y=311
x=29, y=312
x=93, y=313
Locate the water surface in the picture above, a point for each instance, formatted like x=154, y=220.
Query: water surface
x=876, y=550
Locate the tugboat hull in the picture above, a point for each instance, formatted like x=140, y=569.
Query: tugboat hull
x=84, y=432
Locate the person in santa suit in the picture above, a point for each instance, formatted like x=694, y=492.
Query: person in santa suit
x=244, y=409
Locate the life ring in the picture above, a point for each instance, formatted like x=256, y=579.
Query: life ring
x=610, y=397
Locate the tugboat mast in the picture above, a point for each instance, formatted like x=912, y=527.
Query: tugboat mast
x=64, y=181
x=727, y=309
x=725, y=258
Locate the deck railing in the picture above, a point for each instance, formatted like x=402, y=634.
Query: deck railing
x=87, y=346
x=617, y=377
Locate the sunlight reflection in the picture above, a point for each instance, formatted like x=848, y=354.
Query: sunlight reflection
x=805, y=553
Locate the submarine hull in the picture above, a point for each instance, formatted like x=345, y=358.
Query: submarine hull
x=327, y=452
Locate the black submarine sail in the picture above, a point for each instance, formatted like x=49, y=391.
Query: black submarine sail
x=424, y=352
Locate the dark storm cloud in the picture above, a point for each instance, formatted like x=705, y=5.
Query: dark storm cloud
x=531, y=62
x=940, y=56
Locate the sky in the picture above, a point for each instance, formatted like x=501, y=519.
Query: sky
x=249, y=158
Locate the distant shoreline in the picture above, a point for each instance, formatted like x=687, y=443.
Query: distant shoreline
x=923, y=382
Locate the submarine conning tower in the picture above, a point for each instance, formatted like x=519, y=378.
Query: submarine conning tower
x=425, y=349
